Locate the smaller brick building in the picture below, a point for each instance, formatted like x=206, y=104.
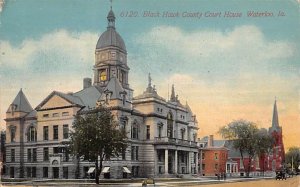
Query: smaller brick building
x=213, y=156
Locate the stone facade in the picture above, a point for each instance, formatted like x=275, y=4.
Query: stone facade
x=162, y=134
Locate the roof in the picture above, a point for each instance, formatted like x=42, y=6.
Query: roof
x=89, y=96
x=149, y=93
x=233, y=153
x=111, y=38
x=20, y=103
x=73, y=99
x=114, y=87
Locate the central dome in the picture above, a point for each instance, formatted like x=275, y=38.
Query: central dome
x=111, y=37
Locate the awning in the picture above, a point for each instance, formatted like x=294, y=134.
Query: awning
x=91, y=170
x=105, y=170
x=126, y=170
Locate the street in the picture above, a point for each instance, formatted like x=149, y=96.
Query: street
x=290, y=182
x=238, y=182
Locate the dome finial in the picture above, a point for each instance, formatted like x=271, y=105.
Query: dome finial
x=111, y=17
x=149, y=80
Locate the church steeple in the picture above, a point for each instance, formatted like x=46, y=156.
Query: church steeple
x=275, y=122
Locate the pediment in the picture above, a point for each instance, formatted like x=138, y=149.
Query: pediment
x=59, y=100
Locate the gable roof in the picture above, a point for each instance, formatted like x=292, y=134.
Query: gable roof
x=68, y=97
x=20, y=103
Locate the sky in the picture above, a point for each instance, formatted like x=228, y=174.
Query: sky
x=226, y=68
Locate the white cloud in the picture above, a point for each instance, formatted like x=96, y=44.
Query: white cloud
x=243, y=48
x=76, y=47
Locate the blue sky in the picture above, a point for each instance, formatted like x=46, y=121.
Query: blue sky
x=225, y=68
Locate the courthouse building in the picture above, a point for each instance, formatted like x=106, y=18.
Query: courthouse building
x=162, y=133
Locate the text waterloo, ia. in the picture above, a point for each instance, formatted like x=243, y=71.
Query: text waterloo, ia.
x=198, y=14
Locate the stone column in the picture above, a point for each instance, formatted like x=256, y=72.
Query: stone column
x=196, y=164
x=155, y=162
x=166, y=161
x=189, y=162
x=175, y=165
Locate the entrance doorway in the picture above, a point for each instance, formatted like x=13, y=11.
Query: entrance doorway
x=55, y=172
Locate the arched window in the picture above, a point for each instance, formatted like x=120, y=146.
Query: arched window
x=134, y=131
x=170, y=125
x=12, y=134
x=159, y=129
x=31, y=134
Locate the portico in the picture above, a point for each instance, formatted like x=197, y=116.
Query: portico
x=172, y=161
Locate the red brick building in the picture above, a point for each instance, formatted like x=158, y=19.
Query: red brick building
x=264, y=163
x=213, y=156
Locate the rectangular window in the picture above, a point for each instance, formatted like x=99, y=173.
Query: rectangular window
x=216, y=156
x=55, y=132
x=34, y=155
x=55, y=115
x=29, y=155
x=46, y=132
x=66, y=131
x=46, y=154
x=13, y=134
x=45, y=115
x=203, y=166
x=33, y=174
x=132, y=152
x=148, y=132
x=65, y=154
x=28, y=172
x=12, y=156
x=55, y=150
x=12, y=172
x=216, y=166
x=65, y=114
x=45, y=172
x=137, y=153
x=203, y=156
x=159, y=131
x=123, y=154
x=65, y=172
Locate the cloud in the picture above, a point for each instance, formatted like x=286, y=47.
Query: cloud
x=221, y=53
x=60, y=45
x=57, y=61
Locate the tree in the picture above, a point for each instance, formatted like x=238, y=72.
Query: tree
x=95, y=135
x=293, y=157
x=248, y=139
x=264, y=145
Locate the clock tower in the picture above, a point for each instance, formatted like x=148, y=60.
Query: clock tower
x=111, y=56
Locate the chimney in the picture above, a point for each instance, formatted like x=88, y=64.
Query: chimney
x=211, y=141
x=87, y=82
